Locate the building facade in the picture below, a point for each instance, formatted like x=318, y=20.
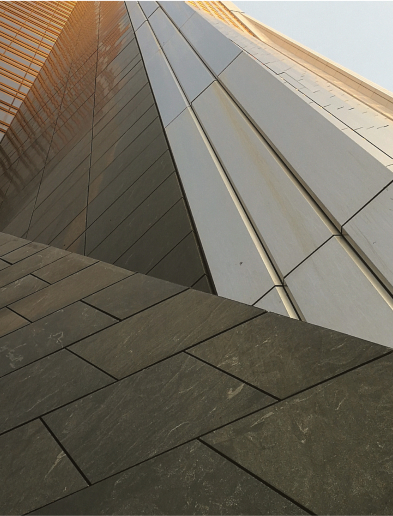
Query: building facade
x=168, y=152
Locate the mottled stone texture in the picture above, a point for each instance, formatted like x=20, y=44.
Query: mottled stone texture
x=86, y=167
x=126, y=394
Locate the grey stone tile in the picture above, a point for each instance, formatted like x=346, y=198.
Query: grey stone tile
x=24, y=252
x=182, y=265
x=3, y=265
x=30, y=264
x=328, y=448
x=158, y=241
x=34, y=470
x=68, y=290
x=133, y=295
x=9, y=321
x=191, y=479
x=44, y=385
x=49, y=334
x=5, y=238
x=63, y=268
x=19, y=289
x=11, y=245
x=283, y=356
x=161, y=331
x=149, y=413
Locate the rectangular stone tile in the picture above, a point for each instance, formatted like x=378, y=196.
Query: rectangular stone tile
x=328, y=448
x=9, y=321
x=161, y=331
x=203, y=285
x=69, y=290
x=283, y=356
x=49, y=334
x=3, y=265
x=11, y=245
x=204, y=483
x=148, y=413
x=24, y=252
x=63, y=268
x=45, y=385
x=19, y=289
x=133, y=295
x=34, y=470
x=30, y=264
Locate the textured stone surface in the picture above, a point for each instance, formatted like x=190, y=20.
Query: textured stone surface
x=45, y=385
x=63, y=268
x=49, y=334
x=68, y=290
x=161, y=331
x=148, y=413
x=9, y=321
x=329, y=448
x=283, y=356
x=19, y=289
x=133, y=295
x=191, y=479
x=34, y=470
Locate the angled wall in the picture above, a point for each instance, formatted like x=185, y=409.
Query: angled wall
x=86, y=164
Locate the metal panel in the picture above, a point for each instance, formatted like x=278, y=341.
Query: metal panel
x=333, y=290
x=274, y=302
x=179, y=12
x=237, y=266
x=215, y=48
x=286, y=221
x=169, y=97
x=147, y=42
x=136, y=14
x=192, y=74
x=148, y=7
x=372, y=231
x=341, y=175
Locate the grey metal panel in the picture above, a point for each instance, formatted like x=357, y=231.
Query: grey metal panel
x=148, y=7
x=136, y=14
x=192, y=74
x=273, y=302
x=236, y=265
x=147, y=42
x=284, y=218
x=169, y=97
x=162, y=26
x=333, y=290
x=179, y=12
x=372, y=231
x=342, y=175
x=215, y=48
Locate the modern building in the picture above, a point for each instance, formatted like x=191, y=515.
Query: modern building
x=196, y=272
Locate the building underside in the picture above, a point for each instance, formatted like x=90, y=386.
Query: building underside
x=195, y=273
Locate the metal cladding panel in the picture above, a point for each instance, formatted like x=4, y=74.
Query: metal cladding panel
x=179, y=12
x=340, y=174
x=169, y=97
x=136, y=14
x=214, y=48
x=148, y=7
x=282, y=215
x=332, y=291
x=147, y=41
x=192, y=74
x=372, y=231
x=236, y=266
x=273, y=301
